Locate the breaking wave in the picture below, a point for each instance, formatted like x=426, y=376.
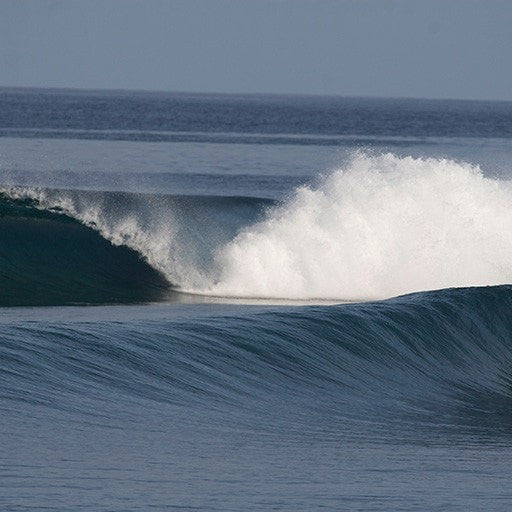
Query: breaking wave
x=380, y=227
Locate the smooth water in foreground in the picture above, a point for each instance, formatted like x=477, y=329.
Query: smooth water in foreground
x=254, y=303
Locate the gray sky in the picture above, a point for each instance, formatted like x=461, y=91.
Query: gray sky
x=418, y=48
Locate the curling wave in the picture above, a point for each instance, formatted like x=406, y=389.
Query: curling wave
x=62, y=247
x=380, y=227
x=51, y=259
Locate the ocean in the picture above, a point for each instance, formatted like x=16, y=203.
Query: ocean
x=254, y=302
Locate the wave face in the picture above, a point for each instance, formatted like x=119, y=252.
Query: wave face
x=51, y=259
x=430, y=359
x=380, y=227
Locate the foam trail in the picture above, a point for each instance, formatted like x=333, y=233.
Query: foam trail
x=381, y=227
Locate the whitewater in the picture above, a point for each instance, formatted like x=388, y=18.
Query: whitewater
x=383, y=226
x=380, y=226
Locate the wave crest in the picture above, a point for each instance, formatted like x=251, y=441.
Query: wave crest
x=381, y=227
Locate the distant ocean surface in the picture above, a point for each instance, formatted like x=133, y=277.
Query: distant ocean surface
x=241, y=303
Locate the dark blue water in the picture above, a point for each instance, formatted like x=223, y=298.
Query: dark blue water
x=254, y=303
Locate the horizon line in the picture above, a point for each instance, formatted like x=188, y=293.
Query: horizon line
x=224, y=93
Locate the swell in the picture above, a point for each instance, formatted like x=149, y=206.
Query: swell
x=431, y=358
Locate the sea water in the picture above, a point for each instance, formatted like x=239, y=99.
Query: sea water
x=214, y=302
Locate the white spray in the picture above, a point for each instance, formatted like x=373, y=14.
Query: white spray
x=381, y=227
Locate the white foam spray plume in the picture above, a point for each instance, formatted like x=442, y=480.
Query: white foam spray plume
x=383, y=226
x=379, y=227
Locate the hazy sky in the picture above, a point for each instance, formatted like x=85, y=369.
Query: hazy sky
x=421, y=48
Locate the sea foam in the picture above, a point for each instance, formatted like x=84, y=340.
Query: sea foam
x=381, y=226
x=378, y=227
